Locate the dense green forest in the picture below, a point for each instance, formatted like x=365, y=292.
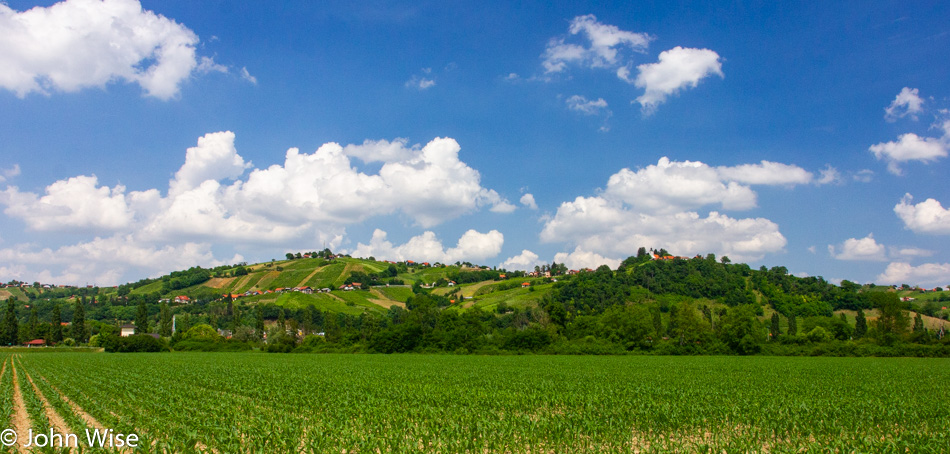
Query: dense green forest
x=698, y=305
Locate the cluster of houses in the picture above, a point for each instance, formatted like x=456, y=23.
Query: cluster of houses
x=548, y=273
x=307, y=290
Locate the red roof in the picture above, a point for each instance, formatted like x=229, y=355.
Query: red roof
x=36, y=342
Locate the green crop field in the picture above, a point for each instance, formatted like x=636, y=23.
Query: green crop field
x=252, y=402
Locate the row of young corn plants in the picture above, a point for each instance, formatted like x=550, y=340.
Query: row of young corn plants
x=251, y=402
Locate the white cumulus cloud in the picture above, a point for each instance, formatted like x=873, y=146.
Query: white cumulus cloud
x=927, y=274
x=526, y=260
x=104, y=261
x=74, y=203
x=766, y=173
x=909, y=147
x=928, y=216
x=581, y=104
x=907, y=103
x=6, y=174
x=473, y=246
x=677, y=68
x=579, y=259
x=77, y=44
x=600, y=47
x=528, y=201
x=611, y=228
x=673, y=185
x=309, y=198
x=863, y=249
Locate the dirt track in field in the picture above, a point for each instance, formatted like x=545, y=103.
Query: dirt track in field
x=21, y=419
x=57, y=423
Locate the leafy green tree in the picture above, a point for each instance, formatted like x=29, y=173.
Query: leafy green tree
x=892, y=323
x=79, y=322
x=792, y=325
x=11, y=325
x=860, y=325
x=165, y=321
x=740, y=329
x=685, y=324
x=141, y=318
x=918, y=324
x=629, y=325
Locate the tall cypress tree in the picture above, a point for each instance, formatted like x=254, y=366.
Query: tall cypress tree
x=79, y=322
x=774, y=328
x=11, y=325
x=165, y=321
x=141, y=318
x=34, y=324
x=259, y=323
x=860, y=325
x=57, y=324
x=792, y=325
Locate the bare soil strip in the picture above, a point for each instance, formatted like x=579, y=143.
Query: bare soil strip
x=86, y=417
x=314, y=273
x=21, y=419
x=57, y=423
x=384, y=301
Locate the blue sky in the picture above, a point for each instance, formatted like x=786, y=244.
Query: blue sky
x=139, y=138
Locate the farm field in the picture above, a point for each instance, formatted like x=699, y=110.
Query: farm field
x=252, y=402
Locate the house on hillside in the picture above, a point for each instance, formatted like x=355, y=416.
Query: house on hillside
x=451, y=283
x=126, y=330
x=182, y=299
x=525, y=284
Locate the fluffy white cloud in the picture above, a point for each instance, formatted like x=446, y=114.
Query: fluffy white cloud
x=602, y=44
x=927, y=274
x=828, y=175
x=928, y=216
x=859, y=249
x=524, y=261
x=528, y=201
x=215, y=158
x=472, y=246
x=75, y=203
x=910, y=252
x=609, y=227
x=909, y=147
x=310, y=194
x=6, y=174
x=579, y=259
x=104, y=261
x=673, y=186
x=581, y=104
x=907, y=102
x=76, y=44
x=381, y=150
x=654, y=207
x=767, y=173
x=676, y=69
